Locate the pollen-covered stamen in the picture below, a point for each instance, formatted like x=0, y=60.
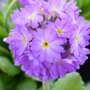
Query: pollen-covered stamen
x=74, y=21
x=31, y=17
x=24, y=39
x=60, y=61
x=56, y=9
x=42, y=11
x=45, y=44
x=77, y=38
x=59, y=31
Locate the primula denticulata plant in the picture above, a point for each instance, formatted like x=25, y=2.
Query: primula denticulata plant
x=49, y=38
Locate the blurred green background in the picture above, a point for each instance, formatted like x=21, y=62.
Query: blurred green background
x=12, y=78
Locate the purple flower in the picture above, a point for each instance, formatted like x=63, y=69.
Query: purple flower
x=40, y=70
x=79, y=38
x=28, y=15
x=72, y=4
x=56, y=6
x=44, y=70
x=63, y=28
x=46, y=45
x=30, y=2
x=82, y=56
x=60, y=68
x=19, y=39
x=72, y=15
x=26, y=2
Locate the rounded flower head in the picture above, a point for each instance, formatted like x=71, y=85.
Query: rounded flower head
x=49, y=39
x=46, y=45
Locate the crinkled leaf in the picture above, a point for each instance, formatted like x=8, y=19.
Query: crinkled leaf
x=70, y=82
x=27, y=85
x=87, y=87
x=7, y=67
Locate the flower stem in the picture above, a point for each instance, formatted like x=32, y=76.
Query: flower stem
x=45, y=85
x=8, y=10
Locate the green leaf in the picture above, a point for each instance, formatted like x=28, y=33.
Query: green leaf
x=27, y=85
x=12, y=25
x=41, y=88
x=9, y=81
x=9, y=1
x=4, y=52
x=35, y=79
x=4, y=5
x=5, y=78
x=3, y=33
x=70, y=82
x=7, y=67
x=84, y=5
x=87, y=87
x=1, y=85
x=1, y=19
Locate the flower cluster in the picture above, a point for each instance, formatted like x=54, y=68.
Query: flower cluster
x=49, y=38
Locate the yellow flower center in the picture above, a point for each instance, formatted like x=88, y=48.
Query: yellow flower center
x=31, y=17
x=59, y=31
x=74, y=20
x=56, y=9
x=42, y=9
x=60, y=61
x=45, y=44
x=77, y=38
x=24, y=39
